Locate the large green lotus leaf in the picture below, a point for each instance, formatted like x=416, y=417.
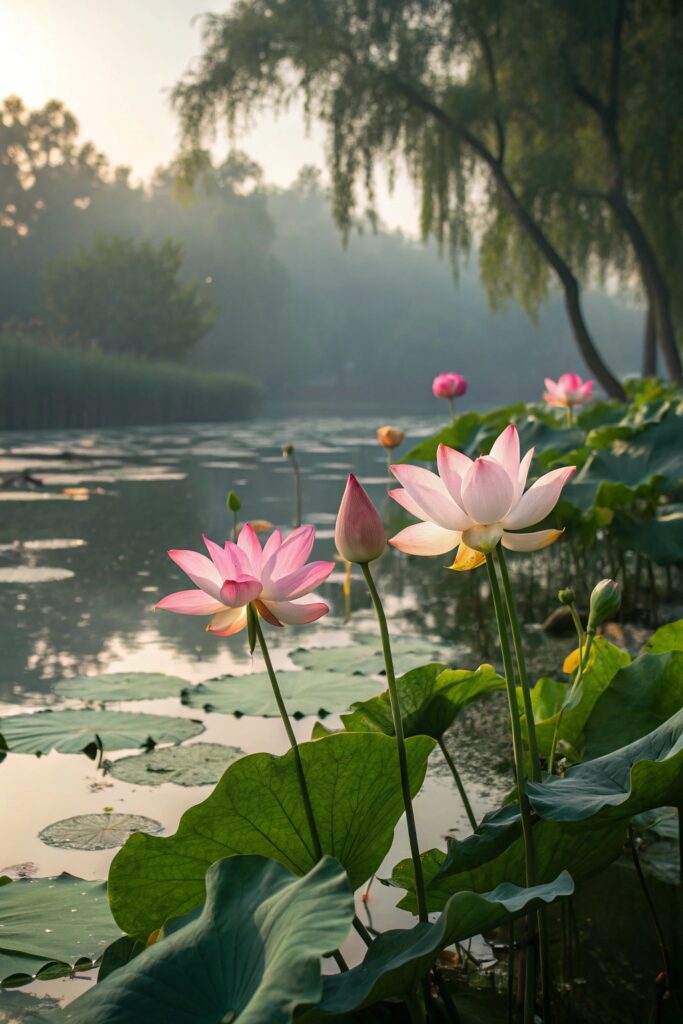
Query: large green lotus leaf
x=457, y=435
x=70, y=732
x=431, y=698
x=364, y=655
x=605, y=661
x=645, y=774
x=196, y=764
x=650, y=460
x=251, y=953
x=398, y=960
x=96, y=831
x=640, y=697
x=256, y=808
x=660, y=539
x=49, y=925
x=17, y=1007
x=121, y=686
x=666, y=638
x=304, y=693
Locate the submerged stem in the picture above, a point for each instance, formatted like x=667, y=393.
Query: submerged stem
x=305, y=795
x=459, y=783
x=400, y=743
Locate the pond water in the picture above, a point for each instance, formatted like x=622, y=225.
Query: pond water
x=83, y=560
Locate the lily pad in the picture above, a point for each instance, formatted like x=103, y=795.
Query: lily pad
x=256, y=945
x=256, y=808
x=34, y=574
x=48, y=926
x=364, y=655
x=304, y=693
x=431, y=698
x=121, y=686
x=96, y=831
x=197, y=764
x=70, y=732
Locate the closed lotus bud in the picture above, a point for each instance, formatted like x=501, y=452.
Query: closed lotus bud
x=605, y=603
x=288, y=451
x=359, y=533
x=390, y=437
x=566, y=596
x=233, y=502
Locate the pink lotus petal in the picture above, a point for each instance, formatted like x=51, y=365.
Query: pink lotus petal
x=505, y=451
x=240, y=560
x=551, y=387
x=452, y=466
x=189, y=602
x=251, y=545
x=200, y=569
x=530, y=541
x=239, y=592
x=222, y=559
x=271, y=545
x=429, y=491
x=570, y=382
x=266, y=614
x=296, y=613
x=298, y=583
x=522, y=476
x=291, y=554
x=426, y=539
x=486, y=491
x=402, y=498
x=539, y=500
x=229, y=622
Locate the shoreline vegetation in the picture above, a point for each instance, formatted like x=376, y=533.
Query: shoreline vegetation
x=49, y=388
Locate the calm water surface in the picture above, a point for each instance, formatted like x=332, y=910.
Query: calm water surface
x=80, y=573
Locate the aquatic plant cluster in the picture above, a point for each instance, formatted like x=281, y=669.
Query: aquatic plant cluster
x=228, y=918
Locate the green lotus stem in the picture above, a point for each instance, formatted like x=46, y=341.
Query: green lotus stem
x=235, y=531
x=570, y=416
x=400, y=743
x=583, y=664
x=339, y=960
x=289, y=453
x=459, y=783
x=521, y=667
x=305, y=795
x=661, y=940
x=451, y=404
x=520, y=767
x=543, y=947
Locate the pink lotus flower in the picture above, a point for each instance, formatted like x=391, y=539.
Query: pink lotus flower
x=275, y=579
x=568, y=391
x=476, y=504
x=359, y=531
x=449, y=385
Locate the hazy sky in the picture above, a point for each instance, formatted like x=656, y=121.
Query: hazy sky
x=113, y=61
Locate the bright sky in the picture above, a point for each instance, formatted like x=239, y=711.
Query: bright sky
x=113, y=63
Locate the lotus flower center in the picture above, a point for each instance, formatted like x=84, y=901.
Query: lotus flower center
x=483, y=538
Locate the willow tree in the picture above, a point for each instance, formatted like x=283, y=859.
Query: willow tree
x=431, y=82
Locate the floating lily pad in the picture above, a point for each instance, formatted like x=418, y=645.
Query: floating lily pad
x=48, y=926
x=198, y=764
x=304, y=693
x=71, y=732
x=34, y=574
x=121, y=686
x=97, y=831
x=56, y=544
x=364, y=656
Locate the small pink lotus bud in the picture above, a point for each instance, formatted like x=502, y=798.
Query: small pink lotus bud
x=359, y=533
x=449, y=385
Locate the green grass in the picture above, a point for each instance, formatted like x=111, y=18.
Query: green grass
x=54, y=388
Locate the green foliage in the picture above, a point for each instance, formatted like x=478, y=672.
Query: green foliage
x=256, y=808
x=305, y=693
x=116, y=686
x=96, y=831
x=72, y=732
x=256, y=944
x=46, y=388
x=195, y=764
x=126, y=299
x=364, y=656
x=49, y=926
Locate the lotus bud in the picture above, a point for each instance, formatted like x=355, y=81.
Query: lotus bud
x=288, y=451
x=566, y=596
x=233, y=502
x=359, y=533
x=605, y=603
x=390, y=437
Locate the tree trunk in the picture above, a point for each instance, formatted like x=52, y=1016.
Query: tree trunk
x=649, y=345
x=654, y=283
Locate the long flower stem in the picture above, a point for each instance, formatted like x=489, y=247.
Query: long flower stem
x=400, y=744
x=297, y=489
x=305, y=795
x=451, y=405
x=661, y=940
x=521, y=667
x=520, y=767
x=543, y=950
x=583, y=664
x=459, y=783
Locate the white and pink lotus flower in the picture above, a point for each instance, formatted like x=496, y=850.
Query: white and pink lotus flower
x=568, y=391
x=475, y=504
x=275, y=578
